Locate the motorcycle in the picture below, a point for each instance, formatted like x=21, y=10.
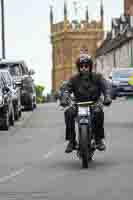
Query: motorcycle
x=86, y=139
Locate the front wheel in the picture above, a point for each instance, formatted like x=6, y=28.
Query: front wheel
x=84, y=145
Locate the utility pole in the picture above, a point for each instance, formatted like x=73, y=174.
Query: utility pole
x=2, y=29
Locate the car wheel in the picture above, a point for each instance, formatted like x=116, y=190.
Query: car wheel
x=16, y=115
x=12, y=118
x=35, y=106
x=113, y=97
x=20, y=113
x=31, y=106
x=5, y=123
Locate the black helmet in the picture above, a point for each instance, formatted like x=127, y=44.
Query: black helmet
x=84, y=59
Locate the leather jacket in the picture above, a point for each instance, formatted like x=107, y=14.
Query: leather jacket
x=88, y=88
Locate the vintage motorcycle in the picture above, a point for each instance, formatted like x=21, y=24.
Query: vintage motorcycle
x=86, y=139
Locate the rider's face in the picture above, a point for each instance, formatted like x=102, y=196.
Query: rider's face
x=84, y=68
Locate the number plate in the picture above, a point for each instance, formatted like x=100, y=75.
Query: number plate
x=83, y=111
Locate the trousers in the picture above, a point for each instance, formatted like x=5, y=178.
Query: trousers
x=98, y=124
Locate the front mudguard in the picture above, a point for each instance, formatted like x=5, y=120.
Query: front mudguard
x=83, y=121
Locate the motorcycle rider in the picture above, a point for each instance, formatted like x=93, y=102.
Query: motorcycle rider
x=86, y=85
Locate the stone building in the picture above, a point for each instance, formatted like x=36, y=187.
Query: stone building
x=68, y=38
x=117, y=49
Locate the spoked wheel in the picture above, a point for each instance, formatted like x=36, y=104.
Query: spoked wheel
x=84, y=146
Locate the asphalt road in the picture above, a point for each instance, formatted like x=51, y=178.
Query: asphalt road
x=33, y=164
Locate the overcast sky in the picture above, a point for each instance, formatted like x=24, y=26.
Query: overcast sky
x=28, y=32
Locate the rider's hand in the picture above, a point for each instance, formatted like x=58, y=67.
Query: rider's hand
x=65, y=100
x=107, y=101
x=64, y=104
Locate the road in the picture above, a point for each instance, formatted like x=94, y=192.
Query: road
x=33, y=164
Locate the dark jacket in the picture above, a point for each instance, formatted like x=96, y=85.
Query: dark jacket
x=88, y=88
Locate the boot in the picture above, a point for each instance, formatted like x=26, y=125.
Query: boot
x=100, y=145
x=69, y=147
x=72, y=145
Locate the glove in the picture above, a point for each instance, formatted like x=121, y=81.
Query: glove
x=64, y=101
x=107, y=101
x=64, y=104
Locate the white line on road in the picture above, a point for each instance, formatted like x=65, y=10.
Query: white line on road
x=12, y=175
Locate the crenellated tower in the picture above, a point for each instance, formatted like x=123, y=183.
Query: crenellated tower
x=68, y=38
x=128, y=7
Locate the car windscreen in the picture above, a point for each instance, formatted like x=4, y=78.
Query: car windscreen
x=122, y=74
x=14, y=70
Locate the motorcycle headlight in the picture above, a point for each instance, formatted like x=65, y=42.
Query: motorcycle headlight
x=83, y=111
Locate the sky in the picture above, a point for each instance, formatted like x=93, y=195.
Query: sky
x=27, y=30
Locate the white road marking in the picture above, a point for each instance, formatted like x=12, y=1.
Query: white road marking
x=12, y=175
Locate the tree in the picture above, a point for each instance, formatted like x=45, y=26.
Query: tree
x=39, y=93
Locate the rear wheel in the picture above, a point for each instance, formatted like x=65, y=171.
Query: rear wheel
x=84, y=145
x=31, y=106
x=20, y=113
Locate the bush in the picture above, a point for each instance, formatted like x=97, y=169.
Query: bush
x=39, y=100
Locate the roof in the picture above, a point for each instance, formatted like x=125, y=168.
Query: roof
x=110, y=44
x=122, y=69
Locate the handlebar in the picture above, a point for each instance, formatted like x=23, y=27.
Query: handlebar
x=86, y=103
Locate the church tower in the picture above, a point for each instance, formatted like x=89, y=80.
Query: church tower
x=68, y=39
x=128, y=7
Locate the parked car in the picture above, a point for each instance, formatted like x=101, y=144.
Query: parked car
x=16, y=98
x=119, y=79
x=28, y=95
x=22, y=77
x=6, y=105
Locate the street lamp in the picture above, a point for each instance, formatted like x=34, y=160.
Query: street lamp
x=129, y=35
x=2, y=29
